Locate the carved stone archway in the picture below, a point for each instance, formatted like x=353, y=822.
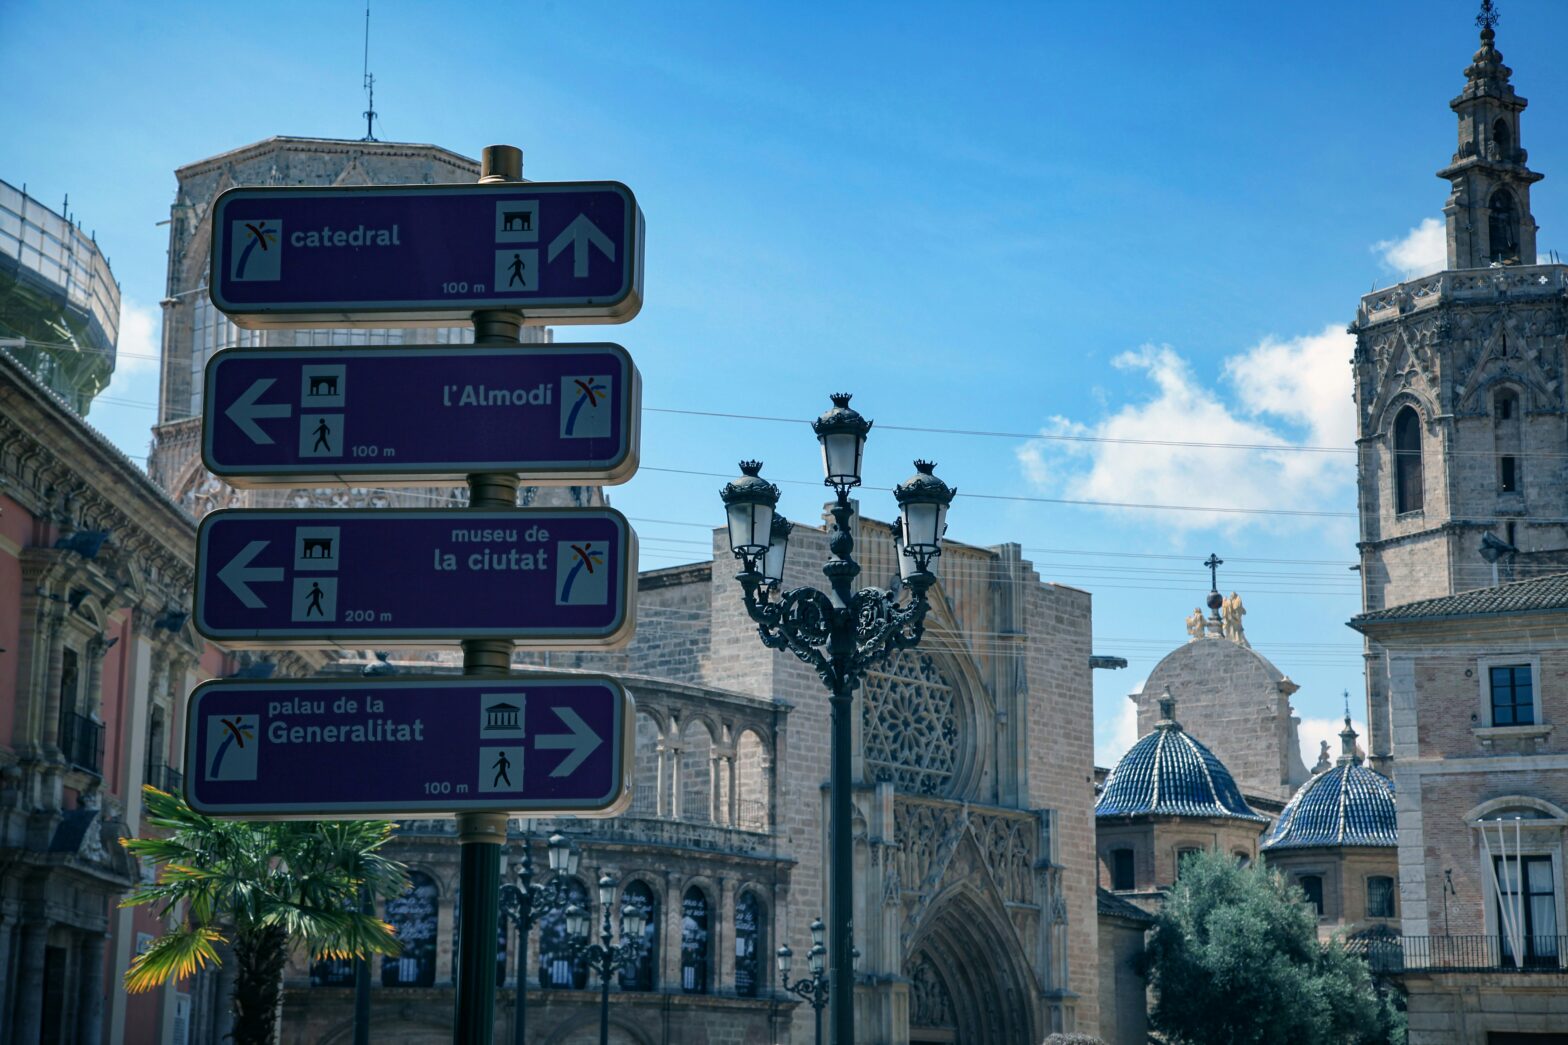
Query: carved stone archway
x=969, y=982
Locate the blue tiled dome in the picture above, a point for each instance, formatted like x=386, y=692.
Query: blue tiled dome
x=1346, y=805
x=1169, y=773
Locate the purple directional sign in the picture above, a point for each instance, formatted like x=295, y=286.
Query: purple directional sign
x=546, y=578
x=562, y=414
x=371, y=255
x=539, y=745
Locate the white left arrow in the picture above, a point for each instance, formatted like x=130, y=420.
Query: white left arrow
x=579, y=235
x=239, y=575
x=244, y=410
x=581, y=741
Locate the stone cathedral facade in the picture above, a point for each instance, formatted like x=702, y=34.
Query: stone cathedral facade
x=975, y=901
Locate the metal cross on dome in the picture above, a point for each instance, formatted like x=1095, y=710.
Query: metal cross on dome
x=1487, y=19
x=1214, y=562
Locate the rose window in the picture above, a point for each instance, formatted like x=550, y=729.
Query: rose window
x=909, y=720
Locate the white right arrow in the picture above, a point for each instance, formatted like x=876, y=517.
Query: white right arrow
x=239, y=575
x=581, y=741
x=244, y=410
x=578, y=235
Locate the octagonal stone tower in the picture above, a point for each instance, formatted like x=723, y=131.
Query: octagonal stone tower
x=1459, y=387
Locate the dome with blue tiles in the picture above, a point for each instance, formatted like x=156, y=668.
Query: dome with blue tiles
x=1347, y=805
x=1168, y=773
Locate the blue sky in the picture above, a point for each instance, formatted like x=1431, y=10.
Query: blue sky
x=1144, y=221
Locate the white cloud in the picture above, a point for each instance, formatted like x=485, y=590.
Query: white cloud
x=1113, y=737
x=1302, y=384
x=138, y=348
x=1420, y=252
x=1313, y=731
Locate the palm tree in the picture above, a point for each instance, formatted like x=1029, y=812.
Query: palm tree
x=260, y=886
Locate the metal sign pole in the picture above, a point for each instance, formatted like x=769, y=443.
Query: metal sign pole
x=480, y=836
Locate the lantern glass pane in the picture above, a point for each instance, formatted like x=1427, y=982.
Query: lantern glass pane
x=786, y=960
x=751, y=528
x=773, y=563
x=922, y=525
x=841, y=456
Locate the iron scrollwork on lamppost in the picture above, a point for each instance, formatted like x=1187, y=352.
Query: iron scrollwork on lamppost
x=814, y=988
x=525, y=903
x=605, y=957
x=843, y=632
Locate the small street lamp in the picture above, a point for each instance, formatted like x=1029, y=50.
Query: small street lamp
x=841, y=633
x=525, y=903
x=813, y=989
x=606, y=958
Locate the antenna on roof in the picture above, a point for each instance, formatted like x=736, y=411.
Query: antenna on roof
x=370, y=85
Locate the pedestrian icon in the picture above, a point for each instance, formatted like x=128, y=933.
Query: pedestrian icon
x=501, y=768
x=320, y=435
x=516, y=271
x=315, y=599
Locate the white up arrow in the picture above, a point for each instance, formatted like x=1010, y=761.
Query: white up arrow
x=244, y=410
x=239, y=575
x=578, y=235
x=581, y=741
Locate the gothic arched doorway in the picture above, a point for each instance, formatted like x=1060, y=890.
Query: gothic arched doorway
x=968, y=981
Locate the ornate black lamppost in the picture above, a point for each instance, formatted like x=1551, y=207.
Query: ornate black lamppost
x=843, y=632
x=525, y=903
x=814, y=989
x=604, y=957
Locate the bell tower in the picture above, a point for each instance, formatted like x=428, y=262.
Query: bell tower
x=1488, y=213
x=1460, y=389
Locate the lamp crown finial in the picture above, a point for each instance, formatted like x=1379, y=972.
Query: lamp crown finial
x=841, y=399
x=750, y=467
x=925, y=467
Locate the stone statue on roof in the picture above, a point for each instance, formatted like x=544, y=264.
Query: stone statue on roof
x=1231, y=613
x=1195, y=625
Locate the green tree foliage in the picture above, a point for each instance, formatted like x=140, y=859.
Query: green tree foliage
x=1234, y=959
x=260, y=886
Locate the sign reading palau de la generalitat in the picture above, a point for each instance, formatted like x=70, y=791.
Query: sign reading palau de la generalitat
x=561, y=414
x=560, y=252
x=545, y=578
x=533, y=744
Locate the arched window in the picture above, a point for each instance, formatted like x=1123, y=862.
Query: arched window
x=694, y=942
x=751, y=783
x=645, y=768
x=413, y=917
x=640, y=977
x=1243, y=859
x=1503, y=227
x=1407, y=461
x=1504, y=140
x=696, y=775
x=749, y=947
x=557, y=970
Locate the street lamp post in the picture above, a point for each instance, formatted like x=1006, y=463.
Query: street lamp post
x=841, y=633
x=814, y=988
x=606, y=958
x=525, y=903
